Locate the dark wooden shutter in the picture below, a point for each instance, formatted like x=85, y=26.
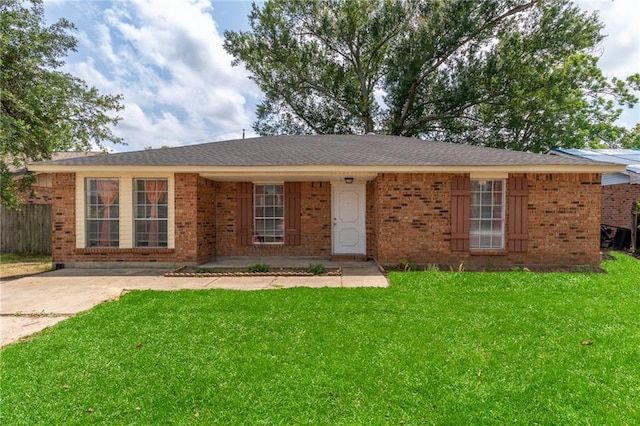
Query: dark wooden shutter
x=460, y=199
x=292, y=213
x=244, y=213
x=518, y=209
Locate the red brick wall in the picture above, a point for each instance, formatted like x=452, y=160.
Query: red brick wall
x=186, y=218
x=63, y=217
x=564, y=219
x=371, y=219
x=412, y=217
x=413, y=222
x=40, y=192
x=617, y=202
x=315, y=207
x=37, y=195
x=206, y=220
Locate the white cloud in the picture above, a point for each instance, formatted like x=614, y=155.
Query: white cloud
x=167, y=59
x=621, y=47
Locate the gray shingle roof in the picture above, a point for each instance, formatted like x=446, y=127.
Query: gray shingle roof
x=346, y=150
x=58, y=155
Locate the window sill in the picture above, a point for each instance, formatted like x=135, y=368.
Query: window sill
x=486, y=252
x=123, y=250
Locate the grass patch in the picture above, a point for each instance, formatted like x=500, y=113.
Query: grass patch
x=434, y=348
x=12, y=264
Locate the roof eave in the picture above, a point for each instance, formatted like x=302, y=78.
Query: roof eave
x=212, y=170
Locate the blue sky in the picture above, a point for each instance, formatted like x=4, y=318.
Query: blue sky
x=166, y=58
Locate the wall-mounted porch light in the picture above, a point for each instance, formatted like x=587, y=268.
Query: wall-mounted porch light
x=348, y=180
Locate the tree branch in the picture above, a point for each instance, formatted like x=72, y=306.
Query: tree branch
x=416, y=83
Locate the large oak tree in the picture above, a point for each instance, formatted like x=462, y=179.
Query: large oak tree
x=520, y=74
x=42, y=108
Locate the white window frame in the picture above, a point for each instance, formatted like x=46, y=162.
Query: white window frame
x=258, y=238
x=483, y=213
x=126, y=207
x=164, y=219
x=94, y=194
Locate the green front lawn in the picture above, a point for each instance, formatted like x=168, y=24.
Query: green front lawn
x=435, y=348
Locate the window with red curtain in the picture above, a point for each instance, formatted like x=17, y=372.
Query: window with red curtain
x=150, y=212
x=102, y=212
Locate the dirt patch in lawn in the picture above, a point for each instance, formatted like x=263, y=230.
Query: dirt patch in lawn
x=13, y=266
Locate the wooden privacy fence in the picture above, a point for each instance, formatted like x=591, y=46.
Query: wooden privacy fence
x=27, y=230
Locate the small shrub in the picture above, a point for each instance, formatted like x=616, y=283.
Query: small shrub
x=405, y=265
x=317, y=269
x=433, y=267
x=202, y=270
x=258, y=267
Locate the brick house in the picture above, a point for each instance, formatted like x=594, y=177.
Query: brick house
x=383, y=197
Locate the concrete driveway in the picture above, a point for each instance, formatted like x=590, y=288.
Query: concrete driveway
x=30, y=304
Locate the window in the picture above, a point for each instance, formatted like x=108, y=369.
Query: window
x=268, y=214
x=102, y=212
x=486, y=229
x=150, y=212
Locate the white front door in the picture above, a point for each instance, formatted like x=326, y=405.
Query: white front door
x=348, y=208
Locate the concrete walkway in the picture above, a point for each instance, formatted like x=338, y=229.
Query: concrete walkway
x=30, y=304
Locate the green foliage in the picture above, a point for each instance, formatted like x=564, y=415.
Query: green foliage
x=517, y=74
x=317, y=269
x=631, y=139
x=434, y=348
x=318, y=63
x=43, y=109
x=258, y=267
x=405, y=265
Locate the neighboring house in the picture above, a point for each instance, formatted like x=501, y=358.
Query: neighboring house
x=40, y=191
x=383, y=197
x=620, y=190
x=28, y=230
